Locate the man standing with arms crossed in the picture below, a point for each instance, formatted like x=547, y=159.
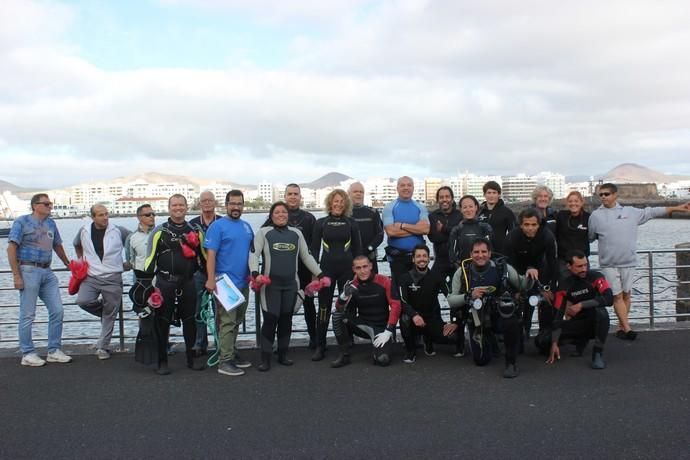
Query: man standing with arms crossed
x=405, y=222
x=615, y=226
x=369, y=223
x=208, y=215
x=227, y=244
x=31, y=243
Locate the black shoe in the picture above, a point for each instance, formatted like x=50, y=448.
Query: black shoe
x=511, y=371
x=318, y=354
x=241, y=363
x=342, y=360
x=630, y=335
x=459, y=349
x=265, y=362
x=163, y=369
x=199, y=352
x=429, y=347
x=410, y=358
x=283, y=359
x=195, y=366
x=598, y=360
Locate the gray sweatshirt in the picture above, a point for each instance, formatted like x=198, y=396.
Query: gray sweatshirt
x=616, y=230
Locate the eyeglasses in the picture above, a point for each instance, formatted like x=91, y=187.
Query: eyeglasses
x=45, y=203
x=207, y=201
x=236, y=205
x=148, y=214
x=602, y=194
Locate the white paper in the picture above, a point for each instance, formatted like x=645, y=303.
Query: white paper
x=227, y=293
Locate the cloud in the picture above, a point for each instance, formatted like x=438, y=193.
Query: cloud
x=419, y=87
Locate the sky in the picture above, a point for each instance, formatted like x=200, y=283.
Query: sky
x=283, y=91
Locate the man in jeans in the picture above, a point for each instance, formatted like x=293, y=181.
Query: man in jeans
x=101, y=243
x=227, y=244
x=31, y=243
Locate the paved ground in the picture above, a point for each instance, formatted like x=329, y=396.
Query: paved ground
x=440, y=407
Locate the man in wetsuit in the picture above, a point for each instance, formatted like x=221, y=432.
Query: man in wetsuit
x=579, y=312
x=492, y=284
x=368, y=307
x=531, y=249
x=441, y=222
x=405, y=222
x=369, y=223
x=421, y=313
x=207, y=202
x=228, y=242
x=304, y=221
x=101, y=243
x=494, y=212
x=172, y=257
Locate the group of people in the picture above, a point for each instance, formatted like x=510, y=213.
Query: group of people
x=489, y=264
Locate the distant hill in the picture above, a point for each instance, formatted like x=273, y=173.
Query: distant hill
x=155, y=177
x=331, y=179
x=4, y=185
x=631, y=172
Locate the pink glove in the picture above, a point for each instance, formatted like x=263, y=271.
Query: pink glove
x=312, y=288
x=257, y=282
x=187, y=251
x=192, y=239
x=325, y=282
x=155, y=299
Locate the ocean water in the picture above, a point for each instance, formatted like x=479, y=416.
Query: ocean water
x=654, y=235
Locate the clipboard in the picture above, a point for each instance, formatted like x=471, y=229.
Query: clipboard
x=227, y=293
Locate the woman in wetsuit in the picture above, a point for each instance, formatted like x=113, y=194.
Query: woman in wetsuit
x=280, y=247
x=572, y=226
x=469, y=229
x=335, y=242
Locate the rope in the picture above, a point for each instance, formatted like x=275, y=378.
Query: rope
x=207, y=315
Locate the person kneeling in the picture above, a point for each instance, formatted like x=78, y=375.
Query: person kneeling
x=419, y=289
x=369, y=308
x=579, y=312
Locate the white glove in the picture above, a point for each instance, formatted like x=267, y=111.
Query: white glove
x=382, y=338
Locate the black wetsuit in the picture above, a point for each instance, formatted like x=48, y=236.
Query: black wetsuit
x=304, y=221
x=442, y=264
x=491, y=275
x=548, y=220
x=419, y=296
x=373, y=308
x=370, y=230
x=595, y=294
x=281, y=248
x=335, y=243
x=571, y=233
x=538, y=252
x=502, y=221
x=174, y=277
x=462, y=236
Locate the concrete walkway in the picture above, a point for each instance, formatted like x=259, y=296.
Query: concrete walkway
x=439, y=407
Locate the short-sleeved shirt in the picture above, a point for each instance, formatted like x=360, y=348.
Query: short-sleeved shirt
x=231, y=239
x=35, y=238
x=406, y=212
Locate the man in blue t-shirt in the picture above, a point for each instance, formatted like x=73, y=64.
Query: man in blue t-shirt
x=227, y=245
x=31, y=243
x=405, y=222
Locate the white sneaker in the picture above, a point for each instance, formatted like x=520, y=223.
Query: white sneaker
x=33, y=360
x=58, y=356
x=102, y=354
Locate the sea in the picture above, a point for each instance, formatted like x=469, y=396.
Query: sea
x=656, y=234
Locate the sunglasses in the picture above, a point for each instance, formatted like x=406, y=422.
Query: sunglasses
x=148, y=214
x=45, y=203
x=605, y=194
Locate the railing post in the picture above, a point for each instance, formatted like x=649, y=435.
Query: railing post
x=121, y=325
x=650, y=262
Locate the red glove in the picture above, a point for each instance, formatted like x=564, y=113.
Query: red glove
x=312, y=288
x=155, y=299
x=192, y=239
x=79, y=269
x=258, y=281
x=187, y=251
x=325, y=282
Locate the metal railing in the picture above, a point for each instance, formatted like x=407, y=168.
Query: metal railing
x=654, y=296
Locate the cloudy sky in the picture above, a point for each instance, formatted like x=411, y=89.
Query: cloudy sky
x=251, y=90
